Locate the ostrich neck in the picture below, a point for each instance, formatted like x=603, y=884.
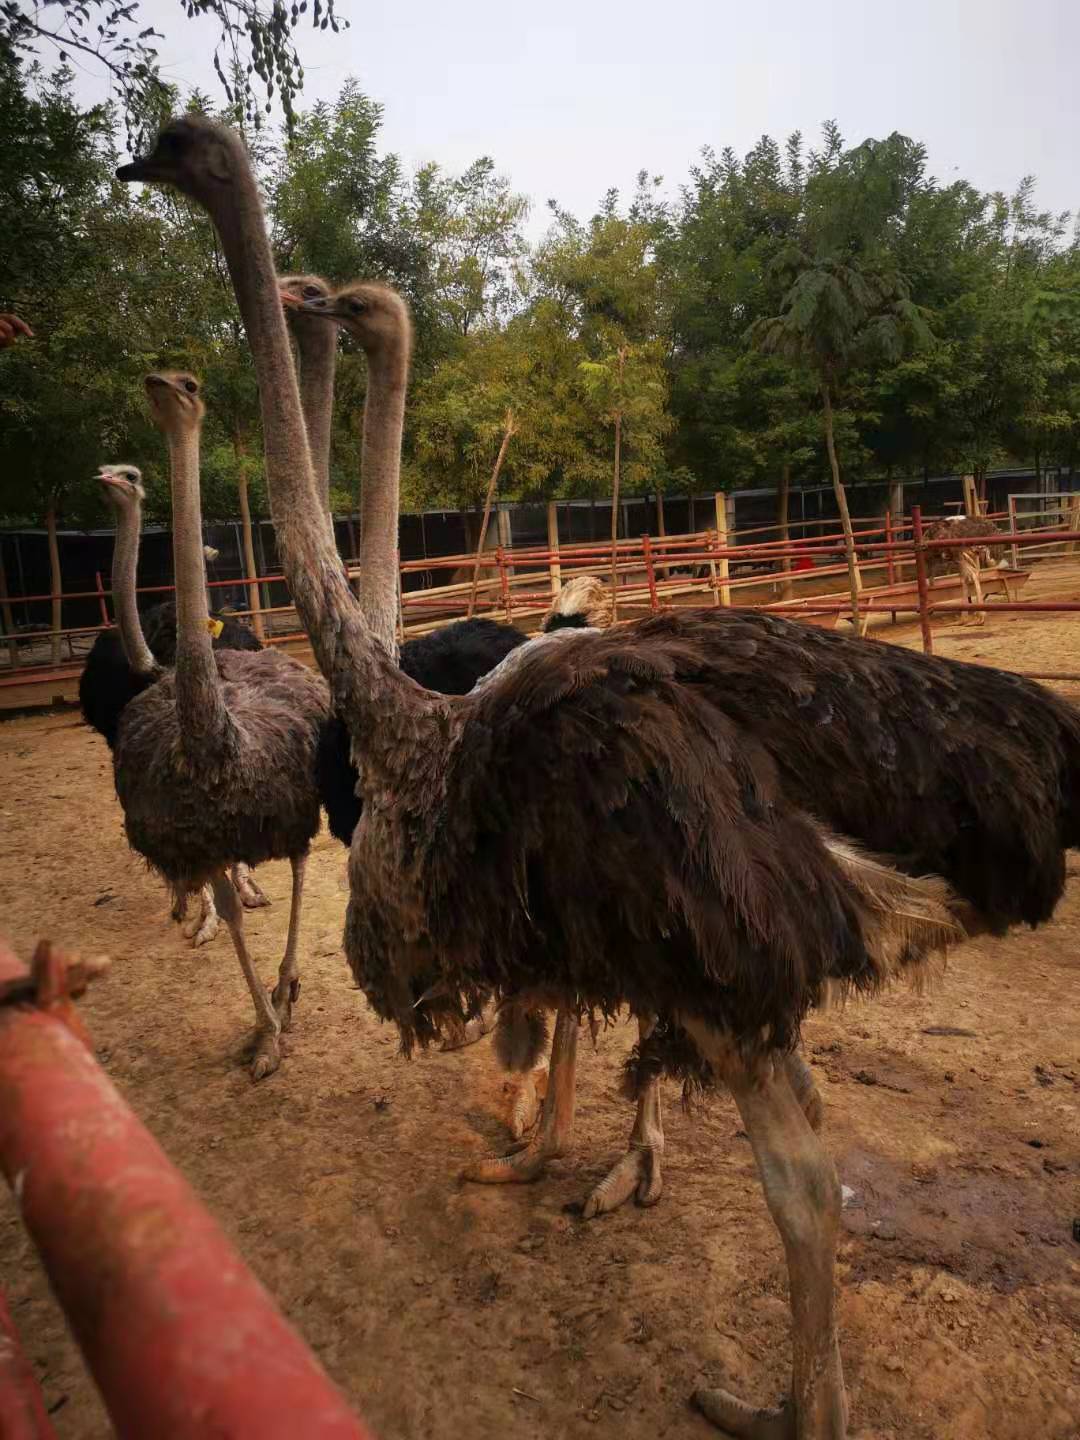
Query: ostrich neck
x=124, y=567
x=199, y=701
x=380, y=475
x=316, y=344
x=387, y=715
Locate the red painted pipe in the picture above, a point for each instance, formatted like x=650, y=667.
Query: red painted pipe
x=22, y=1410
x=183, y=1341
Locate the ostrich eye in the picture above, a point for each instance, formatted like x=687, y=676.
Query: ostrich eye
x=312, y=292
x=358, y=306
x=191, y=387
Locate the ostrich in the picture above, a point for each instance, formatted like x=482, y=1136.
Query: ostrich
x=971, y=561
x=214, y=763
x=125, y=660
x=622, y=818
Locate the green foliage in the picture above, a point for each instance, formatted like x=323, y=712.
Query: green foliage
x=945, y=324
x=254, y=46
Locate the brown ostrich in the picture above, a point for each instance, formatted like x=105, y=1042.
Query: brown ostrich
x=215, y=763
x=970, y=561
x=617, y=818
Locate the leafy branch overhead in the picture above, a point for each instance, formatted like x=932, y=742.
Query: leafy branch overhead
x=255, y=55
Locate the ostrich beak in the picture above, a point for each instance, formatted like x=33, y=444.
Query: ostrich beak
x=289, y=300
x=106, y=477
x=323, y=306
x=141, y=168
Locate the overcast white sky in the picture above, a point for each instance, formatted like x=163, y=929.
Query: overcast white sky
x=571, y=96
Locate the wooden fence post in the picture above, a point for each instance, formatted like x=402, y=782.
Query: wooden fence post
x=971, y=500
x=723, y=531
x=920, y=579
x=554, y=568
x=650, y=572
x=504, y=583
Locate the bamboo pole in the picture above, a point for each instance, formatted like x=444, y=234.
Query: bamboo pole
x=650, y=572
x=554, y=567
x=508, y=431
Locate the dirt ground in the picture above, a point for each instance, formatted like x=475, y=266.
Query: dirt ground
x=954, y=1117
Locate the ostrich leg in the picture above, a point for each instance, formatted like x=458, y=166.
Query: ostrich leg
x=267, y=1025
x=803, y=1196
x=638, y=1172
x=287, y=990
x=552, y=1136
x=251, y=896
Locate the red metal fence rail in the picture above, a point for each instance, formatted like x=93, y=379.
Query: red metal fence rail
x=180, y=1337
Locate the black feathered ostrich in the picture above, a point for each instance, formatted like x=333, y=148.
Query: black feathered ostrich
x=125, y=660
x=606, y=822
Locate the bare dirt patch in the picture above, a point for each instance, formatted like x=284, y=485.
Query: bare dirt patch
x=954, y=1117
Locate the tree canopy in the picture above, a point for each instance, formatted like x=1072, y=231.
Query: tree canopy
x=702, y=336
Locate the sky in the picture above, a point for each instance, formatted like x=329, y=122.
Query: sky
x=571, y=98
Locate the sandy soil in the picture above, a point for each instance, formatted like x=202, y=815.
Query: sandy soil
x=960, y=1305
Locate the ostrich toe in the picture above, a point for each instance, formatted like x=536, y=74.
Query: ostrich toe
x=472, y=1031
x=205, y=923
x=251, y=896
x=734, y=1417
x=267, y=1056
x=522, y=1165
x=527, y=1092
x=638, y=1173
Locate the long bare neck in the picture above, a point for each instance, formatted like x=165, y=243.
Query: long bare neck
x=380, y=476
x=124, y=567
x=198, y=688
x=316, y=344
x=383, y=709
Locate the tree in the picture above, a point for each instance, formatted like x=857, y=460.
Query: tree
x=254, y=39
x=845, y=302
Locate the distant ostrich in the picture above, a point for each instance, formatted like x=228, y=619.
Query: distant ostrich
x=971, y=561
x=215, y=762
x=622, y=818
x=125, y=660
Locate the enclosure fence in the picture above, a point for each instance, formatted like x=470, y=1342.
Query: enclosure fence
x=804, y=577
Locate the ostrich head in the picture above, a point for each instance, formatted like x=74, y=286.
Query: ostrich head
x=174, y=399
x=296, y=290
x=584, y=602
x=374, y=315
x=193, y=153
x=122, y=486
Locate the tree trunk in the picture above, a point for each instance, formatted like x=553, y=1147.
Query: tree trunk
x=554, y=568
x=55, y=579
x=8, y=614
x=782, y=498
x=615, y=519
x=854, y=577
x=250, y=570
x=508, y=431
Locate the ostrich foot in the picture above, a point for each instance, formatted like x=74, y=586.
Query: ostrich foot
x=637, y=1173
x=471, y=1031
x=524, y=1163
x=251, y=897
x=743, y=1421
x=283, y=997
x=267, y=1054
x=527, y=1099
x=205, y=923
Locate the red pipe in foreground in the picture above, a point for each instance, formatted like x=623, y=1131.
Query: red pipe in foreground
x=183, y=1341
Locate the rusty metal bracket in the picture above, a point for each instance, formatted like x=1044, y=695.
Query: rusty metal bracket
x=55, y=979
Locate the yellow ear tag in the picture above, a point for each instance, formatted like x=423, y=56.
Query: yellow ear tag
x=215, y=626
